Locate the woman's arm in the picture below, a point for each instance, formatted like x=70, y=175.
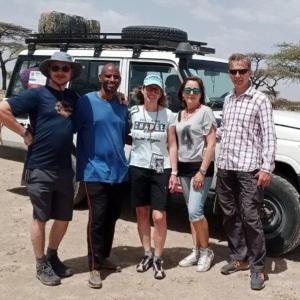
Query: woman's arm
x=172, y=146
x=208, y=156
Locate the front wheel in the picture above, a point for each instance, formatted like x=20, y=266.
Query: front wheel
x=280, y=216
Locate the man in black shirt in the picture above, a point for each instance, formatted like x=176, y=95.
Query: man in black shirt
x=49, y=175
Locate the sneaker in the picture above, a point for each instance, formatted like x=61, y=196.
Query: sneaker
x=159, y=272
x=59, y=268
x=95, y=281
x=234, y=266
x=191, y=259
x=109, y=265
x=258, y=280
x=46, y=275
x=205, y=260
x=145, y=264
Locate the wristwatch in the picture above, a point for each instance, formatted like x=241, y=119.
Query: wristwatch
x=202, y=171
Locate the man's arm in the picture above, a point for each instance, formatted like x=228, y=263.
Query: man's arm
x=8, y=120
x=268, y=144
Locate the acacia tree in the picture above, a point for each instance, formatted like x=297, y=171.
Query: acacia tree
x=287, y=61
x=265, y=75
x=11, y=42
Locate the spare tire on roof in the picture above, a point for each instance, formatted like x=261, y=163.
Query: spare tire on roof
x=154, y=32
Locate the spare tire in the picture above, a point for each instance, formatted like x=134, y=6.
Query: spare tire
x=154, y=32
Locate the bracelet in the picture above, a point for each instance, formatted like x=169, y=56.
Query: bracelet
x=202, y=171
x=174, y=173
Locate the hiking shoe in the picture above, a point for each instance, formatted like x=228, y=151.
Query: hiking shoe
x=234, y=266
x=205, y=260
x=95, y=281
x=46, y=275
x=109, y=265
x=145, y=264
x=191, y=259
x=159, y=272
x=58, y=267
x=258, y=280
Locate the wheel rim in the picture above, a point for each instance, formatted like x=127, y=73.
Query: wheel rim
x=271, y=215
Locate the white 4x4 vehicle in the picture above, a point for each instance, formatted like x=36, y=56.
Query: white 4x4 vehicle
x=140, y=50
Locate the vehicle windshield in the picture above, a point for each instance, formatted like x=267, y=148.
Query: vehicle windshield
x=24, y=66
x=215, y=78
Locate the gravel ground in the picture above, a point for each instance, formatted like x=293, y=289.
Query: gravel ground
x=17, y=277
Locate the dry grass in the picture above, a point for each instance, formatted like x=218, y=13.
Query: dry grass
x=283, y=104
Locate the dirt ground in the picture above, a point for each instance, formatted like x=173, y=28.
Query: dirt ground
x=17, y=273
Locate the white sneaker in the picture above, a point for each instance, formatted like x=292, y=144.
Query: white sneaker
x=191, y=259
x=205, y=259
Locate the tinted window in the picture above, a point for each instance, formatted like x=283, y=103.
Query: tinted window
x=139, y=70
x=215, y=78
x=17, y=84
x=88, y=80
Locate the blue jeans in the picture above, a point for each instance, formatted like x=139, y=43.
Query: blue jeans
x=195, y=199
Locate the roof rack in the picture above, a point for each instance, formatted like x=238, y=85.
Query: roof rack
x=99, y=41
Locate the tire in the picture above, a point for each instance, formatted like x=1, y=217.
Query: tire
x=154, y=32
x=281, y=217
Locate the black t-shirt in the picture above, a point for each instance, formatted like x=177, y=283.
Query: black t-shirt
x=52, y=129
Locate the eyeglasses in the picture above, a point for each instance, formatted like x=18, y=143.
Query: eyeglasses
x=64, y=69
x=196, y=91
x=240, y=71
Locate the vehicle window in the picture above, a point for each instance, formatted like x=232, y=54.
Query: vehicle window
x=88, y=80
x=139, y=70
x=24, y=66
x=215, y=78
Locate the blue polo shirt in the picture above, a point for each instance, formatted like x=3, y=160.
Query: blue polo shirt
x=53, y=132
x=101, y=130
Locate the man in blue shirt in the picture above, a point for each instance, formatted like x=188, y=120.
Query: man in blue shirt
x=49, y=175
x=102, y=126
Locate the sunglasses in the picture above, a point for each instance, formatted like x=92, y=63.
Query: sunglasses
x=240, y=71
x=196, y=91
x=64, y=69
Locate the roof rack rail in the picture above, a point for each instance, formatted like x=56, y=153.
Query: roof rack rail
x=99, y=41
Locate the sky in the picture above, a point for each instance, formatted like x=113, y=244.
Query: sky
x=228, y=26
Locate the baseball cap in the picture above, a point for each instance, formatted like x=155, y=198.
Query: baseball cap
x=153, y=79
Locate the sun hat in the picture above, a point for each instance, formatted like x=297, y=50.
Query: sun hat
x=153, y=79
x=63, y=57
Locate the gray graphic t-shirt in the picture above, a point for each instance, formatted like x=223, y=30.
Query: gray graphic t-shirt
x=149, y=133
x=191, y=134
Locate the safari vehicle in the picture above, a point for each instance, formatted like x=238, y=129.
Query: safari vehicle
x=140, y=50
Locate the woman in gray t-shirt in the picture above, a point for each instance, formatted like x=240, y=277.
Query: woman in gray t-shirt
x=196, y=135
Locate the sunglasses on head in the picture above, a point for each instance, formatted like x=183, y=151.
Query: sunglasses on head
x=240, y=71
x=196, y=91
x=64, y=69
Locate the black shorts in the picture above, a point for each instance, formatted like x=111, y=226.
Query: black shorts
x=149, y=188
x=51, y=193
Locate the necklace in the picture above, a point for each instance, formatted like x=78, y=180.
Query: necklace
x=150, y=128
x=187, y=114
